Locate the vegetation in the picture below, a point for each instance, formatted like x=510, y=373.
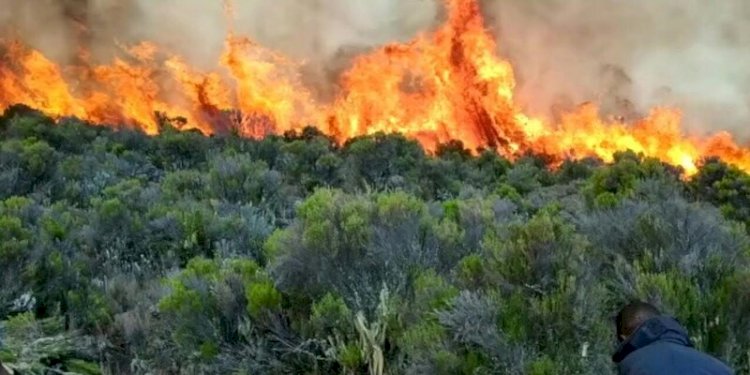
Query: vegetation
x=123, y=253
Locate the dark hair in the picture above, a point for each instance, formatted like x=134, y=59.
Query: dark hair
x=632, y=316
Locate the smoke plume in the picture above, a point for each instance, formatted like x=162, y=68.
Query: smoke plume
x=627, y=55
x=632, y=55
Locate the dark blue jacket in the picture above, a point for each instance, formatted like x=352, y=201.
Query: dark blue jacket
x=662, y=346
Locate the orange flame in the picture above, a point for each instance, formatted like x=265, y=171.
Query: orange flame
x=444, y=85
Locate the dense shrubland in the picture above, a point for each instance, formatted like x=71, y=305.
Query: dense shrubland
x=122, y=253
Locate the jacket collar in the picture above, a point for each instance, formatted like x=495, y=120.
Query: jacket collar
x=662, y=329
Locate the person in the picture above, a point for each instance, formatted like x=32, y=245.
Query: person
x=652, y=343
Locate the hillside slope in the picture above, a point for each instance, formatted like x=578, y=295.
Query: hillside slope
x=123, y=253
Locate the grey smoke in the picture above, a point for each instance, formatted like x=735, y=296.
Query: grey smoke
x=688, y=53
x=629, y=55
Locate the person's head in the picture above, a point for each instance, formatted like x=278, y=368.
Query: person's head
x=632, y=316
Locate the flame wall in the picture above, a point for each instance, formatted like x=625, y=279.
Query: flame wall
x=330, y=63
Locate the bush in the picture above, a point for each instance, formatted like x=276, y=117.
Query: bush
x=123, y=253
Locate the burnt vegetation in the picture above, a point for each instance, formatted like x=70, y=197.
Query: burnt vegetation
x=182, y=254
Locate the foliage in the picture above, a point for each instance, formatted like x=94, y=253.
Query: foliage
x=183, y=254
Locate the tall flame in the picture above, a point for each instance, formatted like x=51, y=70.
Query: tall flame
x=444, y=85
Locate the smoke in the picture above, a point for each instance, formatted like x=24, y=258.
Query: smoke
x=628, y=55
x=60, y=27
x=32, y=21
x=632, y=55
x=325, y=34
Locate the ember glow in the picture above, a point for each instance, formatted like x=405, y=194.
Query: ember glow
x=444, y=85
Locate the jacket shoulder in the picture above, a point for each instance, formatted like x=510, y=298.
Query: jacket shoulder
x=667, y=359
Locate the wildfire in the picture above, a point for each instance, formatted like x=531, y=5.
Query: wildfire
x=444, y=85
